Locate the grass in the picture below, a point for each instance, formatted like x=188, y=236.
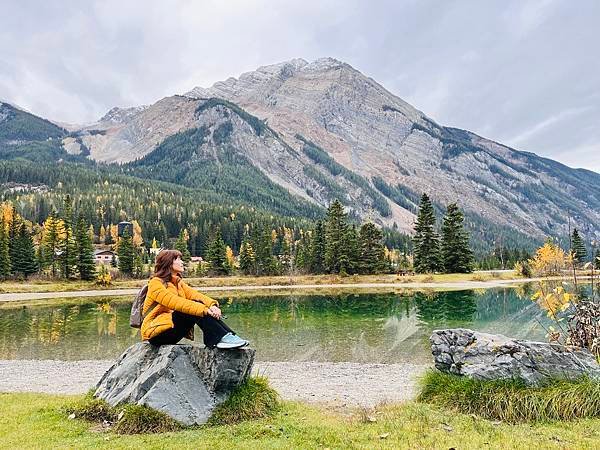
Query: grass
x=37, y=421
x=511, y=400
x=254, y=399
x=126, y=419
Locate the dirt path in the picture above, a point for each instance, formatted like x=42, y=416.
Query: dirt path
x=344, y=384
x=24, y=296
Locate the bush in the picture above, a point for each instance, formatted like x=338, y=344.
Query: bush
x=92, y=409
x=511, y=400
x=136, y=419
x=254, y=399
x=125, y=419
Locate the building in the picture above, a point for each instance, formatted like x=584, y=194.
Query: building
x=104, y=256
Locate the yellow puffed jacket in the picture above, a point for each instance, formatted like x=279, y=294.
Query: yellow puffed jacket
x=174, y=296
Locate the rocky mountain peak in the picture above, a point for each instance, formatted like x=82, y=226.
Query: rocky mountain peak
x=118, y=115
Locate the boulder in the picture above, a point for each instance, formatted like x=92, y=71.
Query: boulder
x=186, y=382
x=485, y=356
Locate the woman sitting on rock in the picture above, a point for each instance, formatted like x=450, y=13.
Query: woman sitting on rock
x=172, y=308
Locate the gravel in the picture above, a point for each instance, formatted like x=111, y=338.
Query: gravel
x=344, y=384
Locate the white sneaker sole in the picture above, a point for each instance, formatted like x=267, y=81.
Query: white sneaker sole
x=226, y=345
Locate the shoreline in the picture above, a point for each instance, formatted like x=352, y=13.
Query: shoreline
x=459, y=285
x=339, y=383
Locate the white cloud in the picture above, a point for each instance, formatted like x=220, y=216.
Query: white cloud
x=516, y=72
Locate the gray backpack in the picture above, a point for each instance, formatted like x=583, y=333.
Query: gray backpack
x=136, y=318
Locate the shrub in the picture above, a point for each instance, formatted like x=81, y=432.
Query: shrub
x=92, y=409
x=512, y=400
x=136, y=419
x=253, y=399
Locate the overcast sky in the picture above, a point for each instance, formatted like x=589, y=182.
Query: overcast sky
x=523, y=73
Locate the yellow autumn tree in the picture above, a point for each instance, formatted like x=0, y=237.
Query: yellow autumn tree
x=549, y=259
x=231, y=262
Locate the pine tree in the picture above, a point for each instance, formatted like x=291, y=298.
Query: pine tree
x=263, y=246
x=68, y=254
x=336, y=251
x=86, y=265
x=182, y=246
x=5, y=266
x=372, y=254
x=126, y=253
x=14, y=229
x=247, y=258
x=426, y=241
x=53, y=242
x=216, y=254
x=24, y=263
x=579, y=250
x=302, y=257
x=317, y=249
x=352, y=253
x=457, y=257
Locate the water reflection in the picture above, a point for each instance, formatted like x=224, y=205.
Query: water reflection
x=350, y=327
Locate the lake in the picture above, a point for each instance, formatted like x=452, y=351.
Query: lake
x=374, y=328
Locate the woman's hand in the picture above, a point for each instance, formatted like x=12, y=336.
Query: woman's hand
x=215, y=312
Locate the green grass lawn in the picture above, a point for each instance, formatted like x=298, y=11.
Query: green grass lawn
x=37, y=421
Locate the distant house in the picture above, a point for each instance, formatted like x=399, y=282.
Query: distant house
x=103, y=256
x=197, y=259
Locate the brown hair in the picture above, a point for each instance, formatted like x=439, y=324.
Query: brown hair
x=164, y=263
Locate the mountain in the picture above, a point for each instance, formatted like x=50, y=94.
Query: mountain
x=295, y=135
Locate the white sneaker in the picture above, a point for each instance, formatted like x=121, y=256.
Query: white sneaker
x=231, y=341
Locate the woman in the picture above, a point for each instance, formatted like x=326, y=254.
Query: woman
x=172, y=308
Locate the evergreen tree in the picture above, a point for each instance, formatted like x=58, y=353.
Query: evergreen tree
x=457, y=257
x=14, y=229
x=24, y=263
x=372, y=252
x=86, y=265
x=113, y=261
x=53, y=242
x=216, y=254
x=5, y=266
x=126, y=253
x=263, y=245
x=426, y=241
x=352, y=253
x=578, y=247
x=317, y=249
x=302, y=257
x=336, y=251
x=247, y=258
x=182, y=246
x=68, y=253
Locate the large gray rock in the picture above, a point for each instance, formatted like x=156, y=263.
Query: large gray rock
x=488, y=357
x=186, y=382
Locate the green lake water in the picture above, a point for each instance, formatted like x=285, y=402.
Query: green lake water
x=376, y=328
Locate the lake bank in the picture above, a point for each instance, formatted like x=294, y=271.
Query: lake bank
x=286, y=288
x=341, y=384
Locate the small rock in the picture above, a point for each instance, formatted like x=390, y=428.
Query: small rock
x=384, y=436
x=71, y=416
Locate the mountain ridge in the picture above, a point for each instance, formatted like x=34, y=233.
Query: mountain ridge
x=334, y=131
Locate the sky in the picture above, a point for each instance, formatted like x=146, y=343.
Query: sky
x=522, y=73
